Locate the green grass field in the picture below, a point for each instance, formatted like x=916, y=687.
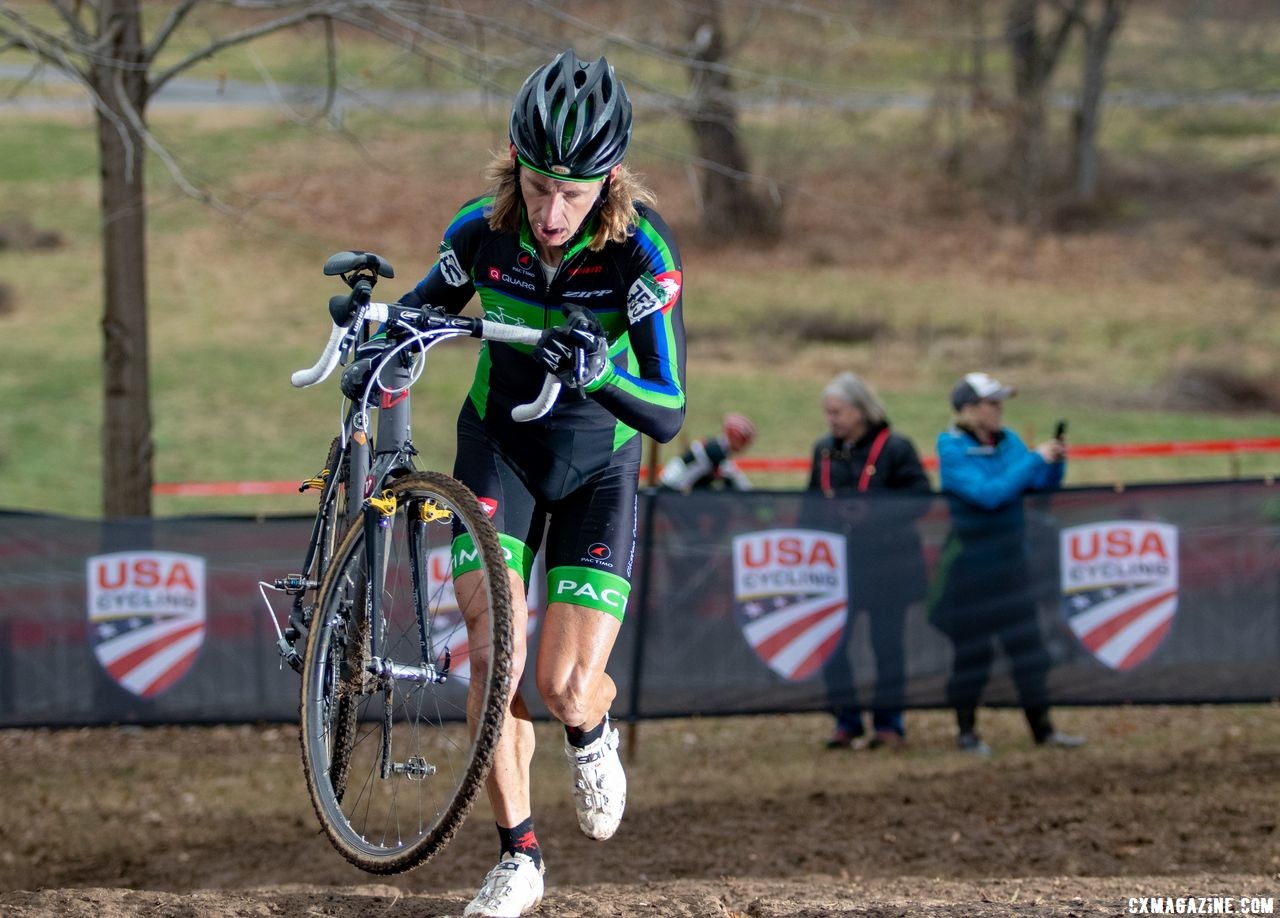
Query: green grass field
x=887, y=267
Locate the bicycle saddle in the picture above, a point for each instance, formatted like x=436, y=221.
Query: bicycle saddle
x=346, y=262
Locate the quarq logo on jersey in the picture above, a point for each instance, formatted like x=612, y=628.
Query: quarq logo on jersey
x=1120, y=587
x=450, y=268
x=146, y=617
x=790, y=597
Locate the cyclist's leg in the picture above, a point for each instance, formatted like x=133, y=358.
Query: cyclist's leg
x=481, y=466
x=590, y=546
x=589, y=556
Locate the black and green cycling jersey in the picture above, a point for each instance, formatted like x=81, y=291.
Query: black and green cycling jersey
x=633, y=288
x=568, y=480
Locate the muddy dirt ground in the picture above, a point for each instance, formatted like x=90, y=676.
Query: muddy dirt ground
x=727, y=817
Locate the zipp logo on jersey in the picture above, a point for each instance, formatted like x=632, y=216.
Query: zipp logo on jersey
x=450, y=268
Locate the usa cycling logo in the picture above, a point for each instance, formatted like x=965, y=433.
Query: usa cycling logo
x=1120, y=588
x=791, y=599
x=146, y=617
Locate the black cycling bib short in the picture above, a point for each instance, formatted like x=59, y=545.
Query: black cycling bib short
x=580, y=463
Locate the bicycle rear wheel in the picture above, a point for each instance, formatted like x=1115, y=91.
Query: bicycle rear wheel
x=391, y=764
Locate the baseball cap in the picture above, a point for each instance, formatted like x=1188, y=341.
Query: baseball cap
x=976, y=387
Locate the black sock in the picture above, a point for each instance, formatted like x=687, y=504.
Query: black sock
x=521, y=840
x=581, y=739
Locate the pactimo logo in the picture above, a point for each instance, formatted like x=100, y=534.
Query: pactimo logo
x=524, y=263
x=571, y=591
x=599, y=552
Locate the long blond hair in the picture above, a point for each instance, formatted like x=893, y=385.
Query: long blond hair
x=616, y=214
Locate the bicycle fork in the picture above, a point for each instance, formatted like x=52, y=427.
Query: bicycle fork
x=379, y=516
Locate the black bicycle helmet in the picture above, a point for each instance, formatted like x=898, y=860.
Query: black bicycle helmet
x=571, y=120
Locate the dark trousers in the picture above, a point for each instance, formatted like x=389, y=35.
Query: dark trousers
x=1017, y=631
x=888, y=645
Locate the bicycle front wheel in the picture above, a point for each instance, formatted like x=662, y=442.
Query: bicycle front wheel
x=391, y=763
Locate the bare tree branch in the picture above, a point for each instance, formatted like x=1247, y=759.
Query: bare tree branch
x=166, y=29
x=72, y=20
x=317, y=11
x=162, y=152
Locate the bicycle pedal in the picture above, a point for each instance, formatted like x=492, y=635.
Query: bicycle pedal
x=294, y=584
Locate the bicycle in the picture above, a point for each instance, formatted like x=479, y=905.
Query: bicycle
x=391, y=766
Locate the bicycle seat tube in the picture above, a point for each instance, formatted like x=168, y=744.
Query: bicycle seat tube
x=393, y=413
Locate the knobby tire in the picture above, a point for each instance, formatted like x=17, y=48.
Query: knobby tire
x=343, y=707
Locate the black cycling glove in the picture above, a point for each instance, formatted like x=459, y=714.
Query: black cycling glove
x=576, y=352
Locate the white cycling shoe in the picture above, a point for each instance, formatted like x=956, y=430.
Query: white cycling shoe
x=511, y=889
x=599, y=784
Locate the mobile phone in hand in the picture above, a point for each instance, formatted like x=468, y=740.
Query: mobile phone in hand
x=1060, y=431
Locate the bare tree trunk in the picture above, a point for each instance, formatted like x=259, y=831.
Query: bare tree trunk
x=1097, y=45
x=730, y=208
x=1034, y=58
x=119, y=77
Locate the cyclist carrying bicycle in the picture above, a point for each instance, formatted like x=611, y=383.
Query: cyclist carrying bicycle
x=566, y=232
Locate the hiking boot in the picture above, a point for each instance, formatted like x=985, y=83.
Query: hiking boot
x=511, y=889
x=1061, y=740
x=599, y=784
x=973, y=744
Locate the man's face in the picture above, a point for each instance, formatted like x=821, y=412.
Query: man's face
x=556, y=208
x=846, y=422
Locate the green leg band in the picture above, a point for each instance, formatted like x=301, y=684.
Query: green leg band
x=467, y=558
x=586, y=586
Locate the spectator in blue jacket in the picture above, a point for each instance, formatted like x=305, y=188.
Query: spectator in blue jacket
x=982, y=591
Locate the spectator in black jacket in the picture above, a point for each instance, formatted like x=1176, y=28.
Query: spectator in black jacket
x=854, y=467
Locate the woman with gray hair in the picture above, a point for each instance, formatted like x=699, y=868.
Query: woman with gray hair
x=854, y=467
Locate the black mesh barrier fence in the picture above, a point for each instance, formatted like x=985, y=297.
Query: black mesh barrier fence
x=742, y=603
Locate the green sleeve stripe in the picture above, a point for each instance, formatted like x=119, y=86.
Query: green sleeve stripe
x=480, y=383
x=468, y=212
x=652, y=242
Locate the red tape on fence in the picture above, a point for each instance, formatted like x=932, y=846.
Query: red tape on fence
x=799, y=464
